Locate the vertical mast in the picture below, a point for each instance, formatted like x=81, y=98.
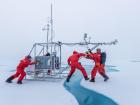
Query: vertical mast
x=51, y=28
x=47, y=38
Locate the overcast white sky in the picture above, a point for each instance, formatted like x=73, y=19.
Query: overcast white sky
x=21, y=22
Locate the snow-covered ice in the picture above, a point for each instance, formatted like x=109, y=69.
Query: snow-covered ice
x=33, y=92
x=123, y=86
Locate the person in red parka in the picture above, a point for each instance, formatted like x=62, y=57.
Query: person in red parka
x=99, y=66
x=74, y=64
x=20, y=70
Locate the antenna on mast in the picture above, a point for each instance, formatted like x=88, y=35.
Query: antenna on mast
x=47, y=36
x=49, y=28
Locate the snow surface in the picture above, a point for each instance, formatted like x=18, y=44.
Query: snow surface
x=33, y=92
x=123, y=86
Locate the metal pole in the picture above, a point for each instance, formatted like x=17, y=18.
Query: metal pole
x=60, y=55
x=43, y=50
x=47, y=38
x=34, y=50
x=51, y=38
x=51, y=28
x=31, y=50
x=34, y=57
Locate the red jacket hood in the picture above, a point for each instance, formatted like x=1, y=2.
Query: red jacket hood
x=75, y=52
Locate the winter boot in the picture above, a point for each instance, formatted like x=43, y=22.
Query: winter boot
x=105, y=77
x=19, y=82
x=9, y=80
x=68, y=79
x=86, y=78
x=92, y=80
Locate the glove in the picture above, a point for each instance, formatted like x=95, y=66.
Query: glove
x=38, y=62
x=89, y=50
x=69, y=64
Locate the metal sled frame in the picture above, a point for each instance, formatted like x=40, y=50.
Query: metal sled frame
x=42, y=74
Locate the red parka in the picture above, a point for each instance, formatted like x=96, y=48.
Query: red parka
x=75, y=57
x=25, y=63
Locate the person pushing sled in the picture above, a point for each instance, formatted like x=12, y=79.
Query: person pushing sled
x=74, y=64
x=99, y=58
x=20, y=70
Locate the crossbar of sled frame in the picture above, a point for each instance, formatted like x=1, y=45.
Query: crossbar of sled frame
x=52, y=78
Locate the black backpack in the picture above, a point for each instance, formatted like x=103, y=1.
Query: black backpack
x=103, y=58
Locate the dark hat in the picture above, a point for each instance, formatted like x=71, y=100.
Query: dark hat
x=98, y=49
x=28, y=56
